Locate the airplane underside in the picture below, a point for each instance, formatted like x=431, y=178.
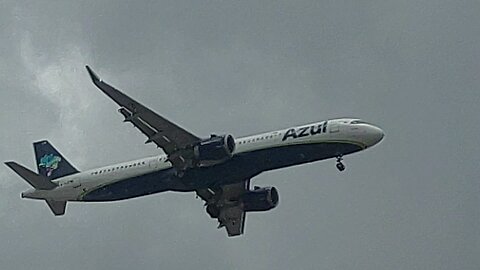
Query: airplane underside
x=218, y=169
x=242, y=166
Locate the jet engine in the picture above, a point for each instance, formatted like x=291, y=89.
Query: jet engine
x=260, y=199
x=215, y=150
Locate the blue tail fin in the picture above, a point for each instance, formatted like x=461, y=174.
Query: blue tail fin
x=50, y=163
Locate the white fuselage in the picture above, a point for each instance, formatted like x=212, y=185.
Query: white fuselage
x=353, y=131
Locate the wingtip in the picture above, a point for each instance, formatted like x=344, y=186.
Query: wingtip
x=92, y=74
x=9, y=163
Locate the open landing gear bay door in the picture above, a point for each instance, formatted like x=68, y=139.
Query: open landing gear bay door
x=224, y=203
x=165, y=134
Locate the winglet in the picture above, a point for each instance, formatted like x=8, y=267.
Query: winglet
x=93, y=75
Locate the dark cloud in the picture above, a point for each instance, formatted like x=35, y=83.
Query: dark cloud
x=243, y=67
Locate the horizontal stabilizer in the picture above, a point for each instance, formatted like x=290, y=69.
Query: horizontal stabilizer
x=35, y=180
x=57, y=207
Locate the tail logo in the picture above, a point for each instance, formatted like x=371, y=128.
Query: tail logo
x=50, y=163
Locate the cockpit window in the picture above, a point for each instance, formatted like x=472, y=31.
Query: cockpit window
x=355, y=122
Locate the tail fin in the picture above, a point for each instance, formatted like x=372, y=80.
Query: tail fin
x=50, y=163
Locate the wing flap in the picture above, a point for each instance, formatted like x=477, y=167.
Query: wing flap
x=226, y=206
x=233, y=219
x=152, y=134
x=165, y=134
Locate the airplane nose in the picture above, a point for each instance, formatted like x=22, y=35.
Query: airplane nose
x=374, y=135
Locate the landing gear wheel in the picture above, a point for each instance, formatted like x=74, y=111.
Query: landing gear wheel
x=213, y=211
x=340, y=166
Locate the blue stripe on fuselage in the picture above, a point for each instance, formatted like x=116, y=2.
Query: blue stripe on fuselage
x=241, y=166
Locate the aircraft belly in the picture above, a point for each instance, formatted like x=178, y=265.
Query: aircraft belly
x=132, y=187
x=291, y=155
x=58, y=194
x=242, y=166
x=249, y=164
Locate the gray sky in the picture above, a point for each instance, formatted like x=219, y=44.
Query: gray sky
x=243, y=67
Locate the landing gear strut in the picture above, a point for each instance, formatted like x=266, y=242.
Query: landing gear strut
x=180, y=173
x=340, y=165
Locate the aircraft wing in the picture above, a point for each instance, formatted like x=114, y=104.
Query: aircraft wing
x=224, y=204
x=165, y=134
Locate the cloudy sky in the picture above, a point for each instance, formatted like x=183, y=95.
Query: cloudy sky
x=242, y=67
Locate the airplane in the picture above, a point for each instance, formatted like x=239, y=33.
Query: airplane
x=218, y=169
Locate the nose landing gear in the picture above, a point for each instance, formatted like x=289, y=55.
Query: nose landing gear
x=340, y=165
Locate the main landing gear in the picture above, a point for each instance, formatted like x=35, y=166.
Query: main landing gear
x=180, y=173
x=340, y=165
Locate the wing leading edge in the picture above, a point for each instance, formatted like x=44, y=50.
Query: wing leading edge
x=165, y=134
x=223, y=203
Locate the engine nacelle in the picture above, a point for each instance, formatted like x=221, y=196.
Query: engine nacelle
x=260, y=199
x=215, y=150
